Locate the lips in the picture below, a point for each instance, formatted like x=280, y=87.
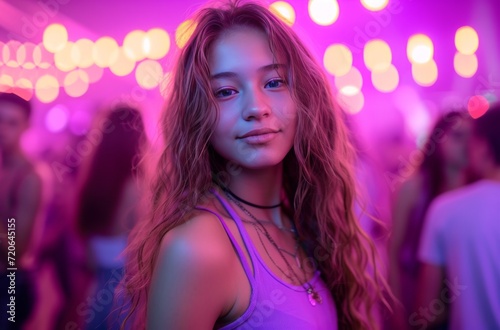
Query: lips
x=257, y=132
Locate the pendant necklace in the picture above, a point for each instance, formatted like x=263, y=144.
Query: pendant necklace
x=313, y=296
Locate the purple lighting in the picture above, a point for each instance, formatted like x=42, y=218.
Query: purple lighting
x=57, y=118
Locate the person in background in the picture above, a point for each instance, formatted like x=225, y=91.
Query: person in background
x=460, y=243
x=443, y=168
x=20, y=199
x=107, y=208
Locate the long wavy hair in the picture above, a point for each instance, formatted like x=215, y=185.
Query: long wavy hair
x=114, y=160
x=318, y=178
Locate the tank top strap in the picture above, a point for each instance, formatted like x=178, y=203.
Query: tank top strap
x=234, y=242
x=239, y=224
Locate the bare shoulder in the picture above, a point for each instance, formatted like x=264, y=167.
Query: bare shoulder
x=199, y=239
x=194, y=273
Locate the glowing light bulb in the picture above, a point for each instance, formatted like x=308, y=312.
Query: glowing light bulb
x=184, y=32
x=323, y=12
x=465, y=65
x=374, y=5
x=337, y=59
x=420, y=49
x=386, y=81
x=377, y=55
x=55, y=37
x=425, y=74
x=466, y=40
x=284, y=11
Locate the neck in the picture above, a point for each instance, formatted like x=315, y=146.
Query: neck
x=261, y=187
x=494, y=174
x=454, y=178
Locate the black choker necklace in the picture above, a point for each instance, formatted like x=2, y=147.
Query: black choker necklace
x=248, y=203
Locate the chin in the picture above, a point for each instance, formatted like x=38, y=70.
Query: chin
x=260, y=162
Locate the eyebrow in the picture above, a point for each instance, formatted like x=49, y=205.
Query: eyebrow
x=265, y=68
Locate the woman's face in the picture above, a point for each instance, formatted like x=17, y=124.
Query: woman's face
x=13, y=123
x=257, y=118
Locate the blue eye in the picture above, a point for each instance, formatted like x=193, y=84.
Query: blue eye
x=275, y=83
x=225, y=92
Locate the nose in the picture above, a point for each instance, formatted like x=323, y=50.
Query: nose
x=256, y=105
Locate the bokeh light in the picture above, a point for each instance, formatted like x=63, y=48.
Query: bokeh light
x=9, y=53
x=337, y=59
x=121, y=65
x=42, y=57
x=47, y=88
x=184, y=32
x=6, y=82
x=465, y=65
x=425, y=74
x=374, y=5
x=76, y=83
x=477, y=106
x=386, y=81
x=420, y=49
x=56, y=118
x=94, y=73
x=133, y=45
x=25, y=87
x=149, y=74
x=55, y=37
x=351, y=104
x=377, y=55
x=323, y=12
x=81, y=53
x=466, y=40
x=5, y=55
x=156, y=43
x=80, y=122
x=63, y=59
x=349, y=84
x=103, y=49
x=284, y=11
x=24, y=83
x=29, y=51
x=165, y=84
x=21, y=55
x=1, y=52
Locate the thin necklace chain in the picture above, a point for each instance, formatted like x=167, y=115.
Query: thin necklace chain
x=282, y=228
x=313, y=295
x=296, y=247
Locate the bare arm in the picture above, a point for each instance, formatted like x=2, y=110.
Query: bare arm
x=191, y=286
x=29, y=197
x=430, y=283
x=401, y=211
x=404, y=202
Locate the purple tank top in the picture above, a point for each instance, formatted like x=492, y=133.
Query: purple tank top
x=275, y=304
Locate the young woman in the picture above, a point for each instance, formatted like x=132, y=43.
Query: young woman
x=443, y=168
x=252, y=223
x=107, y=207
